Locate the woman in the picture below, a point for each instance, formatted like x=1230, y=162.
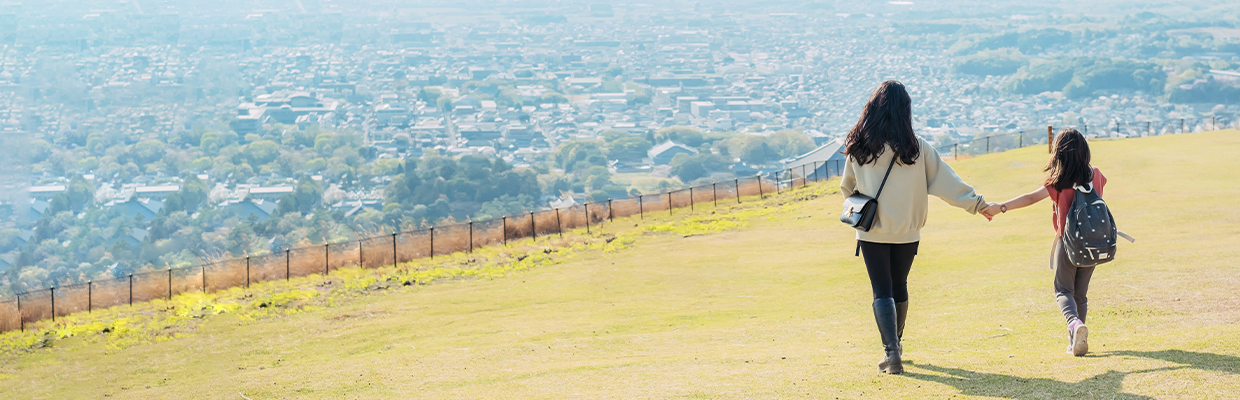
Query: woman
x=1069, y=167
x=884, y=133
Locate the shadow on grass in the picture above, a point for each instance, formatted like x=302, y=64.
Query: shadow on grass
x=1107, y=385
x=1192, y=359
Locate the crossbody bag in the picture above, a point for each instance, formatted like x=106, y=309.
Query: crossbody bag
x=860, y=210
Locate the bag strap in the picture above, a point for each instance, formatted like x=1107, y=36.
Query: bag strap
x=880, y=186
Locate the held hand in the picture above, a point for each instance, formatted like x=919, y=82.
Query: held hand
x=990, y=211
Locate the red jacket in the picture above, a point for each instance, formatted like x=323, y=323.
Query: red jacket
x=1062, y=201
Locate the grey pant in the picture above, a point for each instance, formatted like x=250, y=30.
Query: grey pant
x=1071, y=284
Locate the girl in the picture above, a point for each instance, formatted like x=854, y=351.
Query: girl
x=1069, y=167
x=882, y=141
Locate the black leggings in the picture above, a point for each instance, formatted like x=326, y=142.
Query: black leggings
x=888, y=266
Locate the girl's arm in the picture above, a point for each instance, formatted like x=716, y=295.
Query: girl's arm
x=1024, y=200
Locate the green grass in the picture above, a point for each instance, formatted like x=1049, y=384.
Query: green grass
x=763, y=302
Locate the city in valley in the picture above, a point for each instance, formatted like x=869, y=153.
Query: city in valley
x=142, y=135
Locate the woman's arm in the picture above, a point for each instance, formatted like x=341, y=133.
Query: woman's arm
x=942, y=181
x=848, y=183
x=1022, y=201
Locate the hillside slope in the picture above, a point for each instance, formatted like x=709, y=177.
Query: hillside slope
x=776, y=308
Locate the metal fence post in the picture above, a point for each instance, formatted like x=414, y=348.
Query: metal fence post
x=131, y=290
x=1148, y=130
x=988, y=145
x=204, y=278
x=611, y=215
x=21, y=319
x=90, y=289
x=534, y=229
x=395, y=260
x=587, y=207
x=432, y=243
x=247, y=272
x=690, y=199
x=762, y=195
x=169, y=283
x=1181, y=125
x=669, y=202
x=559, y=226
x=471, y=234
x=815, y=170
x=803, y=178
x=956, y=151
x=287, y=264
x=737, y=182
x=52, y=290
x=714, y=195
x=641, y=213
x=1021, y=139
x=505, y=230
x=360, y=260
x=327, y=258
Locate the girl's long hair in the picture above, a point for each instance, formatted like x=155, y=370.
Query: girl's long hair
x=887, y=119
x=1070, y=164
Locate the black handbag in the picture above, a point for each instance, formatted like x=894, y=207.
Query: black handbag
x=859, y=209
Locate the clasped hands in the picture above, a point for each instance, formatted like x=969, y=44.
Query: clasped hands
x=991, y=210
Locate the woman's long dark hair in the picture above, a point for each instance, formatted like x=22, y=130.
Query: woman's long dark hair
x=886, y=120
x=1070, y=164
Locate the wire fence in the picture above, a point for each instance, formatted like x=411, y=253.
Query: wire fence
x=376, y=251
x=991, y=142
x=403, y=246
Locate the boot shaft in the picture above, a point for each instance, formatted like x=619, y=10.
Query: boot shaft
x=888, y=326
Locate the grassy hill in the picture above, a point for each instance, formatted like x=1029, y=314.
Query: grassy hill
x=765, y=302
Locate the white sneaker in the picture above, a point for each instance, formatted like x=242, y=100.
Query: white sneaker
x=1080, y=338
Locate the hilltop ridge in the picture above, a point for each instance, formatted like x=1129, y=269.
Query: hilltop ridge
x=767, y=301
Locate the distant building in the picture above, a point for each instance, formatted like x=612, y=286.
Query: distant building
x=46, y=192
x=144, y=207
x=663, y=153
x=37, y=208
x=272, y=194
x=825, y=161
x=354, y=207
x=279, y=107
x=155, y=192
x=520, y=136
x=479, y=134
x=244, y=208
x=133, y=238
x=388, y=114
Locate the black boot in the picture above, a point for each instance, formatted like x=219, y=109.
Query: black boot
x=888, y=328
x=901, y=315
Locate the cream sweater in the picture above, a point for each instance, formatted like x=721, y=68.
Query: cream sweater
x=902, y=207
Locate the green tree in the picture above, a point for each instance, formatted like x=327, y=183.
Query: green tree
x=505, y=205
x=790, y=143
x=991, y=62
x=628, y=148
x=687, y=167
x=685, y=135
x=579, y=155
x=147, y=151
